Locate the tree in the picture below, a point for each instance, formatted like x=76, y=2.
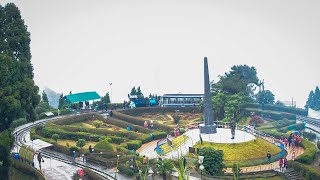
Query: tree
x=164, y=167
x=45, y=97
x=55, y=137
x=80, y=143
x=139, y=93
x=241, y=79
x=314, y=100
x=265, y=97
x=279, y=103
x=106, y=99
x=18, y=94
x=133, y=91
x=61, y=101
x=97, y=123
x=213, y=161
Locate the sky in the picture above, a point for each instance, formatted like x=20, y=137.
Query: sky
x=79, y=45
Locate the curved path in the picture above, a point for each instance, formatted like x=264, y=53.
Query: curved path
x=57, y=165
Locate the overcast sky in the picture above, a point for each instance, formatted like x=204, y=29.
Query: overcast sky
x=159, y=45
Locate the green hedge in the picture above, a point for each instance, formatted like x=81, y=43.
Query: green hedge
x=116, y=140
x=274, y=133
x=47, y=132
x=308, y=172
x=309, y=154
x=283, y=123
x=139, y=111
x=27, y=169
x=271, y=114
x=298, y=126
x=297, y=111
x=309, y=135
x=76, y=119
x=140, y=121
x=134, y=145
x=125, y=124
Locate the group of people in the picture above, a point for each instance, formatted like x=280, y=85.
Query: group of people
x=292, y=141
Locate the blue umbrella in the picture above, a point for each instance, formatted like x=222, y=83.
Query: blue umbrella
x=296, y=132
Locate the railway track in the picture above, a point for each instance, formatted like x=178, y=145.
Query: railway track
x=21, y=132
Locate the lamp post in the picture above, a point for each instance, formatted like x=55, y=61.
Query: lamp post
x=201, y=167
x=110, y=83
x=115, y=176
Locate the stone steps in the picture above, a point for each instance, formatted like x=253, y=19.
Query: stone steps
x=292, y=175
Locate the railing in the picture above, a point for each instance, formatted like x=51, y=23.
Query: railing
x=158, y=149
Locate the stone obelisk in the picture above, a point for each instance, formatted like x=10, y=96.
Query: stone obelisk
x=208, y=127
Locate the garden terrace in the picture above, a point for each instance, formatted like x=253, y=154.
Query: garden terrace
x=247, y=153
x=114, y=131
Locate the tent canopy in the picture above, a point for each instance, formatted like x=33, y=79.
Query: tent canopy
x=80, y=97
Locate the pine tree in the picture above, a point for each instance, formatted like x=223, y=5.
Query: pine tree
x=45, y=97
x=61, y=101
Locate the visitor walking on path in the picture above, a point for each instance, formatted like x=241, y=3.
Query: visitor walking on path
x=281, y=162
x=285, y=161
x=293, y=154
x=285, y=142
x=269, y=157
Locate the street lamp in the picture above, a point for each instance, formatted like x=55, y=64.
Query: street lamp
x=201, y=167
x=115, y=176
x=110, y=83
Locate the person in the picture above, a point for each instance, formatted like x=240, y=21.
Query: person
x=90, y=149
x=269, y=157
x=39, y=159
x=285, y=161
x=111, y=114
x=281, y=164
x=285, y=142
x=293, y=154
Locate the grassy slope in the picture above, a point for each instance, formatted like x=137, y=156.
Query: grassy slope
x=176, y=142
x=63, y=142
x=242, y=151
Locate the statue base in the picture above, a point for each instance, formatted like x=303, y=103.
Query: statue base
x=207, y=129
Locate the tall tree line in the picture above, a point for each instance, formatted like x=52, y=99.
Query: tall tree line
x=18, y=92
x=314, y=100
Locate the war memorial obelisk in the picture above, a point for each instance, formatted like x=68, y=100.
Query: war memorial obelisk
x=208, y=127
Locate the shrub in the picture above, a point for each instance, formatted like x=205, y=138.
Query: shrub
x=306, y=171
x=80, y=143
x=318, y=144
x=97, y=123
x=257, y=120
x=91, y=175
x=134, y=145
x=73, y=148
x=309, y=154
x=126, y=170
x=103, y=146
x=139, y=111
x=309, y=135
x=55, y=137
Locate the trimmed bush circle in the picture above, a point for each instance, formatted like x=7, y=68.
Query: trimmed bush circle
x=103, y=146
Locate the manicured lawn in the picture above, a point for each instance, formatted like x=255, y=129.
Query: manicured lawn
x=64, y=142
x=176, y=142
x=243, y=151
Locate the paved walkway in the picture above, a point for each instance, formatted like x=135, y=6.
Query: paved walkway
x=148, y=150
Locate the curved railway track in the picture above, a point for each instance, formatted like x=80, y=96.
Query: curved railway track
x=21, y=131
